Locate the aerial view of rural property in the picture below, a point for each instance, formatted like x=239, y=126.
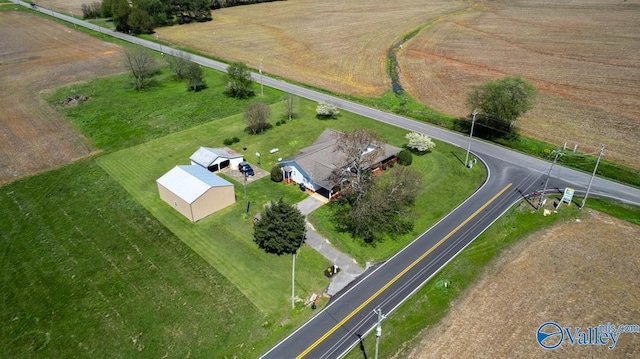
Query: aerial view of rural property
x=319, y=179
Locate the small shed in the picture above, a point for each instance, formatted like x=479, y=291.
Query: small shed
x=195, y=192
x=215, y=159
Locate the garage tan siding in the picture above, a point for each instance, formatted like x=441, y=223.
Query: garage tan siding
x=176, y=202
x=213, y=200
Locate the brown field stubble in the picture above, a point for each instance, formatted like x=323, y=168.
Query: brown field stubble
x=582, y=56
x=334, y=44
x=578, y=274
x=37, y=55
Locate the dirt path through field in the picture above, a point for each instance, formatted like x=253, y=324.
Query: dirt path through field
x=37, y=55
x=577, y=274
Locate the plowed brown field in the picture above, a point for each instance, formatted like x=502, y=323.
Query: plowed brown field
x=582, y=56
x=37, y=55
x=578, y=274
x=335, y=44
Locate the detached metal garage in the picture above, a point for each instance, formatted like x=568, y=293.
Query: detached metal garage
x=195, y=192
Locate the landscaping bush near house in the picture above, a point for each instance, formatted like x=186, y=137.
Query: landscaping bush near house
x=227, y=141
x=276, y=174
x=405, y=158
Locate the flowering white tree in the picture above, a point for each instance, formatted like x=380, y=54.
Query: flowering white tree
x=419, y=142
x=326, y=110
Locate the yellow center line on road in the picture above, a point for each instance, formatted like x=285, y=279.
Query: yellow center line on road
x=395, y=279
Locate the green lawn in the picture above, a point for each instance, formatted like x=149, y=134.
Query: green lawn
x=87, y=272
x=117, y=117
x=225, y=238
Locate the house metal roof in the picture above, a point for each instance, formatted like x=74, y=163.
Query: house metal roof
x=205, y=156
x=191, y=182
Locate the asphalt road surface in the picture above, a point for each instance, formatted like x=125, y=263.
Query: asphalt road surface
x=336, y=329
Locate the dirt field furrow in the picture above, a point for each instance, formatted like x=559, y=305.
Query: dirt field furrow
x=38, y=55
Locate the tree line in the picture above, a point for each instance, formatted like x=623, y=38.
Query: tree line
x=142, y=16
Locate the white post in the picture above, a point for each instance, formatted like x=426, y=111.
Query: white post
x=293, y=283
x=466, y=159
x=246, y=208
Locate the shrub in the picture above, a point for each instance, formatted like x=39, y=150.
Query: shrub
x=419, y=142
x=326, y=110
x=405, y=157
x=276, y=174
x=235, y=139
x=227, y=141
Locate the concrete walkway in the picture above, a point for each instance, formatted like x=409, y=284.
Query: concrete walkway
x=349, y=270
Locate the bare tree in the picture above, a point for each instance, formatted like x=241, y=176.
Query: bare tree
x=195, y=77
x=179, y=64
x=289, y=101
x=387, y=208
x=256, y=116
x=360, y=149
x=142, y=65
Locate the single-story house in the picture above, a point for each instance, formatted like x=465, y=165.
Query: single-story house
x=315, y=166
x=195, y=192
x=215, y=159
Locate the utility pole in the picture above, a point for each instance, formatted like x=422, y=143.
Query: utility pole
x=466, y=159
x=293, y=283
x=261, y=84
x=546, y=182
x=293, y=275
x=378, y=328
x=584, y=200
x=246, y=204
x=158, y=41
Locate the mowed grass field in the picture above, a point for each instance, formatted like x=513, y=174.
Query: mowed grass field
x=87, y=272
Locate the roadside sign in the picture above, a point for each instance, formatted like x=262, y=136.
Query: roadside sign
x=568, y=195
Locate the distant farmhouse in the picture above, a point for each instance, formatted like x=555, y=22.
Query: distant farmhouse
x=216, y=159
x=195, y=192
x=315, y=167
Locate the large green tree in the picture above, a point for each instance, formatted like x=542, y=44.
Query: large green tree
x=506, y=99
x=239, y=80
x=280, y=229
